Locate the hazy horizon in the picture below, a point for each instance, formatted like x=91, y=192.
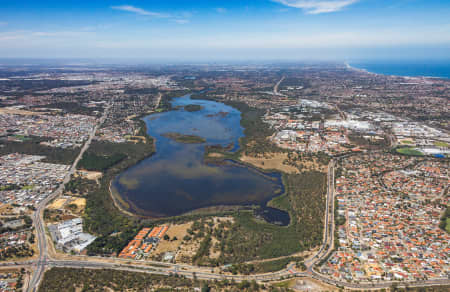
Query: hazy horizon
x=226, y=30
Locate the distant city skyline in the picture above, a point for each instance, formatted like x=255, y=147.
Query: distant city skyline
x=226, y=30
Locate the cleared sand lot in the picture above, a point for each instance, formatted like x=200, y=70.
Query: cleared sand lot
x=58, y=203
x=63, y=203
x=92, y=175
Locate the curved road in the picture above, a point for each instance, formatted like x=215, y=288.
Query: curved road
x=275, y=88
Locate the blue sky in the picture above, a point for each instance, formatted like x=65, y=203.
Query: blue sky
x=246, y=29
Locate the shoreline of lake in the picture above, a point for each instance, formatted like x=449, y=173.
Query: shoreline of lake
x=273, y=183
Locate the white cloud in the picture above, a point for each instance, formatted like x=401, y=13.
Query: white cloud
x=139, y=11
x=221, y=10
x=317, y=6
x=11, y=36
x=175, y=41
x=60, y=34
x=96, y=27
x=44, y=36
x=182, y=21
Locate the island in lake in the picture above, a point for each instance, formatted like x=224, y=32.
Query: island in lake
x=183, y=138
x=193, y=107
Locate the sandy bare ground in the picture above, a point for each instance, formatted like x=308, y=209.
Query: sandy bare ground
x=137, y=139
x=81, y=204
x=58, y=203
x=306, y=284
x=177, y=230
x=273, y=161
x=91, y=175
x=218, y=155
x=213, y=253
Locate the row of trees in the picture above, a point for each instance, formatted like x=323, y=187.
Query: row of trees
x=70, y=279
x=266, y=266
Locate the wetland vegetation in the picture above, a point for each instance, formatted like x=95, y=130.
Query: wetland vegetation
x=188, y=139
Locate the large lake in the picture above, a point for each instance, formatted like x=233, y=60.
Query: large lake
x=175, y=180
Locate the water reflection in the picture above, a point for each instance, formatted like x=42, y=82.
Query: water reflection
x=175, y=180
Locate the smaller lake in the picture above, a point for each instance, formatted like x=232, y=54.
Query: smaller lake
x=175, y=180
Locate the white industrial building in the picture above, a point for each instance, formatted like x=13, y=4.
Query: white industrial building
x=69, y=235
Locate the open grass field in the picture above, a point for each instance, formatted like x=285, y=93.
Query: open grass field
x=273, y=161
x=409, y=151
x=441, y=144
x=22, y=138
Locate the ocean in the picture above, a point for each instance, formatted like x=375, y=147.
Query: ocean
x=414, y=68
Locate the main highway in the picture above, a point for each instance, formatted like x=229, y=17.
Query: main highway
x=38, y=214
x=46, y=261
x=328, y=237
x=275, y=88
